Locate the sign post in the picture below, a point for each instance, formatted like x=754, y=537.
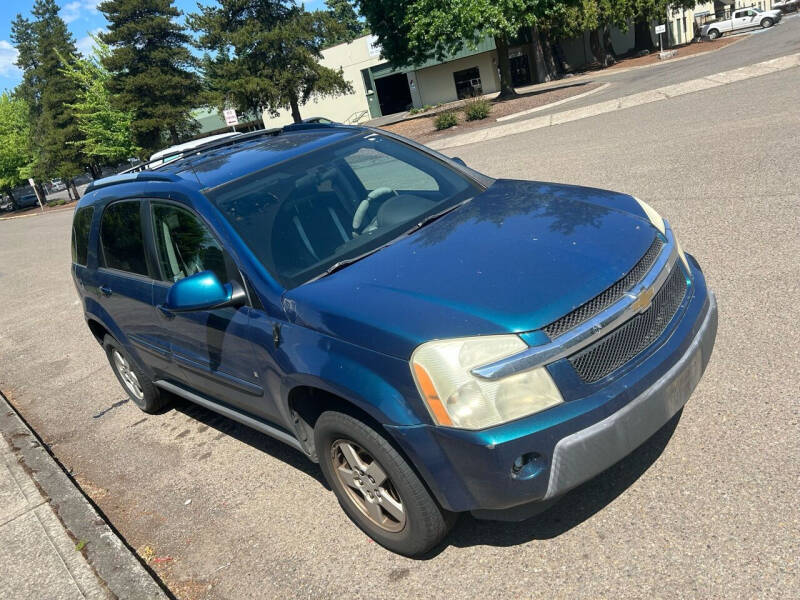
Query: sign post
x=36, y=191
x=660, y=30
x=230, y=117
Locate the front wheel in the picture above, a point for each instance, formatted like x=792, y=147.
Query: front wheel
x=377, y=488
x=139, y=388
x=765, y=23
x=713, y=34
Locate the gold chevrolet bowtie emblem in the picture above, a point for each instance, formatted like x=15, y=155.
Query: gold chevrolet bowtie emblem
x=643, y=300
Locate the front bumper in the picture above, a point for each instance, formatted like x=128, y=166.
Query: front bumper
x=570, y=443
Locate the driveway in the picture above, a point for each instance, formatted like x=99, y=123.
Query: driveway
x=706, y=508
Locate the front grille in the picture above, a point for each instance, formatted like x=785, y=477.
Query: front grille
x=609, y=353
x=605, y=299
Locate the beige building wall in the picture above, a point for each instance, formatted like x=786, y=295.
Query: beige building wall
x=351, y=58
x=437, y=85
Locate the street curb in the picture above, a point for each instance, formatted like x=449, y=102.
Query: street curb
x=529, y=111
x=114, y=562
x=654, y=95
x=39, y=214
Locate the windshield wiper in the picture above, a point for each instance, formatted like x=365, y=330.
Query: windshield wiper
x=341, y=264
x=435, y=216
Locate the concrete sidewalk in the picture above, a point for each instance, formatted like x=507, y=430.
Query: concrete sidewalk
x=53, y=544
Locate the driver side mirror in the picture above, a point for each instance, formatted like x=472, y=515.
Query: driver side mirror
x=203, y=291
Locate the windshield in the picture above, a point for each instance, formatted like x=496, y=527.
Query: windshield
x=337, y=203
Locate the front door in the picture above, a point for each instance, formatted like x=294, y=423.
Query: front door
x=211, y=350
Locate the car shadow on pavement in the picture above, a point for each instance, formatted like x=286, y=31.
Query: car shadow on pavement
x=573, y=509
x=249, y=436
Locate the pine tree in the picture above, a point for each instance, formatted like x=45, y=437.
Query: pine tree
x=266, y=55
x=48, y=93
x=151, y=69
x=350, y=27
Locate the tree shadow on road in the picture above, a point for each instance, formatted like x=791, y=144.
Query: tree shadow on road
x=573, y=509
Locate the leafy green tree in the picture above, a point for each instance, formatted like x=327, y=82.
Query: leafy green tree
x=412, y=31
x=351, y=27
x=15, y=155
x=107, y=136
x=266, y=55
x=54, y=133
x=151, y=69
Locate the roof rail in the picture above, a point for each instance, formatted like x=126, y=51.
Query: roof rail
x=127, y=177
x=178, y=154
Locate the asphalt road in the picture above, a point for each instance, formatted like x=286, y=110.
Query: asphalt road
x=751, y=47
x=707, y=508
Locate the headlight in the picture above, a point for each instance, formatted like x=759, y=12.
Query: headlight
x=456, y=398
x=658, y=223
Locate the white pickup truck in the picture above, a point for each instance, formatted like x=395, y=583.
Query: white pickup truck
x=743, y=18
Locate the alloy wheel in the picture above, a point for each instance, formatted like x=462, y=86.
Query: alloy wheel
x=127, y=375
x=368, y=486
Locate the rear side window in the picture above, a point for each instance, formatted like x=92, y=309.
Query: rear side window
x=81, y=224
x=121, y=238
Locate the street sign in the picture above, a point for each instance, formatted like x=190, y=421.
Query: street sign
x=230, y=116
x=661, y=29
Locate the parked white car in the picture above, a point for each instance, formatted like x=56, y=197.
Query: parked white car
x=744, y=18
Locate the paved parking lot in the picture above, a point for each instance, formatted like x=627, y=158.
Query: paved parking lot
x=707, y=508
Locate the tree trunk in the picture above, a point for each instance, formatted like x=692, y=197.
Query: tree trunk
x=642, y=38
x=71, y=185
x=40, y=195
x=173, y=135
x=503, y=64
x=539, y=65
x=561, y=58
x=608, y=46
x=295, y=109
x=598, y=48
x=550, y=63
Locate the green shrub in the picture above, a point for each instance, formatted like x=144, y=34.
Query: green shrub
x=58, y=202
x=446, y=120
x=477, y=109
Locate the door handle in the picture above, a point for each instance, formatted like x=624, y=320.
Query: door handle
x=106, y=291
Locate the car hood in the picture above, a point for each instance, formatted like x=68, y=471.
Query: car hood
x=515, y=258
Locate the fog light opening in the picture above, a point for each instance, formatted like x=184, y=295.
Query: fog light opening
x=527, y=466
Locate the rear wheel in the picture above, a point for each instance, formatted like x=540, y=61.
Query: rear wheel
x=765, y=23
x=139, y=388
x=713, y=34
x=377, y=488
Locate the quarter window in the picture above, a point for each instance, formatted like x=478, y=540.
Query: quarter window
x=121, y=238
x=185, y=245
x=81, y=224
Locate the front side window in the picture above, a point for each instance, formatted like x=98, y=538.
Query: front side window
x=121, y=239
x=338, y=202
x=81, y=224
x=184, y=244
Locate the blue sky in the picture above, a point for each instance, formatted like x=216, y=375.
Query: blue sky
x=81, y=16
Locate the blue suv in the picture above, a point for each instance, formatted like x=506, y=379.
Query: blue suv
x=437, y=340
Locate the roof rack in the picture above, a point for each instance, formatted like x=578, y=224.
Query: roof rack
x=128, y=177
x=178, y=154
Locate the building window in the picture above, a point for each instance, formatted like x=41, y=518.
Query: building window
x=468, y=83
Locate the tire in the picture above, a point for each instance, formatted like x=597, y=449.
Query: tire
x=411, y=522
x=766, y=23
x=135, y=383
x=713, y=34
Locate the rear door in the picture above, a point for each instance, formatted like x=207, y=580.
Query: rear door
x=211, y=349
x=124, y=282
